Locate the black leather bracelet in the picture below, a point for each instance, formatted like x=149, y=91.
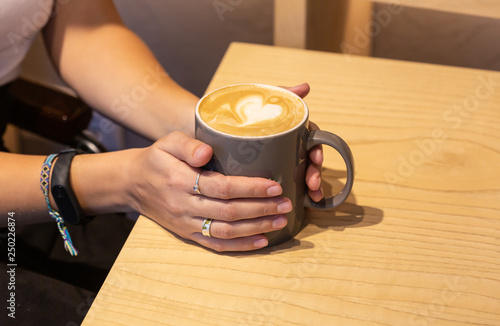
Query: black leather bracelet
x=63, y=194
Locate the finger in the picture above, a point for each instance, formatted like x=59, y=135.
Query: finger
x=315, y=153
x=313, y=177
x=231, y=230
x=301, y=90
x=316, y=195
x=238, y=209
x=238, y=244
x=215, y=185
x=185, y=148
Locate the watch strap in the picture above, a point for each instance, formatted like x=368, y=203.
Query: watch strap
x=62, y=192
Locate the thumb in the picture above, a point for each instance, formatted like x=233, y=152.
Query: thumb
x=192, y=151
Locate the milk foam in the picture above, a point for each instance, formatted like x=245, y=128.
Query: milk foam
x=250, y=110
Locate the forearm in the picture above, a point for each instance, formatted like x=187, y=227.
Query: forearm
x=99, y=182
x=20, y=191
x=115, y=72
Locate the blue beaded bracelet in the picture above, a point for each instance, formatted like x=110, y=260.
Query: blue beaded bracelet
x=44, y=184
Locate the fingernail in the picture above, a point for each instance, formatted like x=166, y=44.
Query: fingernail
x=280, y=222
x=274, y=191
x=260, y=243
x=285, y=207
x=199, y=152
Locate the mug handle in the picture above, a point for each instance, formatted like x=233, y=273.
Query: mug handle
x=317, y=137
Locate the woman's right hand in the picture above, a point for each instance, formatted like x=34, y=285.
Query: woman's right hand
x=242, y=208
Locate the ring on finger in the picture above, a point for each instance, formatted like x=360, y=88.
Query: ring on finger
x=205, y=228
x=196, y=186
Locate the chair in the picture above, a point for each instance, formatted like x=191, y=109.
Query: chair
x=51, y=114
x=336, y=26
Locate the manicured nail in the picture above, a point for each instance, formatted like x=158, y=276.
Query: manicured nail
x=199, y=152
x=260, y=243
x=285, y=207
x=274, y=190
x=280, y=222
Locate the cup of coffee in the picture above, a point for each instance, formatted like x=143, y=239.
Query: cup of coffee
x=260, y=130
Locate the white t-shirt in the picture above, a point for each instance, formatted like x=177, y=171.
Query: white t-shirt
x=20, y=22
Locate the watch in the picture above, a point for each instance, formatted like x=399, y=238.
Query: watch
x=63, y=194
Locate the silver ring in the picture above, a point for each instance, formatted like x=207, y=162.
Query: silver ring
x=196, y=187
x=205, y=229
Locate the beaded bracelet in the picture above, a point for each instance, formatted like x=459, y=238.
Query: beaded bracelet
x=44, y=184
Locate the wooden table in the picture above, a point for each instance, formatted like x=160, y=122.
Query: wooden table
x=417, y=242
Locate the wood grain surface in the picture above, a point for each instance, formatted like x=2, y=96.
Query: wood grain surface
x=416, y=243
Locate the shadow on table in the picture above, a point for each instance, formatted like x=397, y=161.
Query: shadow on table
x=347, y=215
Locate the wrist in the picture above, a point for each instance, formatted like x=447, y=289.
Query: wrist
x=101, y=182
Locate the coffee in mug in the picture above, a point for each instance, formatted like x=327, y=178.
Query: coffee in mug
x=251, y=111
x=260, y=130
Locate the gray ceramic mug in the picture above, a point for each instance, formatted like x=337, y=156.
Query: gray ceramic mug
x=281, y=157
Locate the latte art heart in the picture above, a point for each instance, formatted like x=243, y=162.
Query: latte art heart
x=251, y=110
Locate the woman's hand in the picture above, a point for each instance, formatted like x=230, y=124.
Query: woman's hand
x=313, y=173
x=242, y=208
